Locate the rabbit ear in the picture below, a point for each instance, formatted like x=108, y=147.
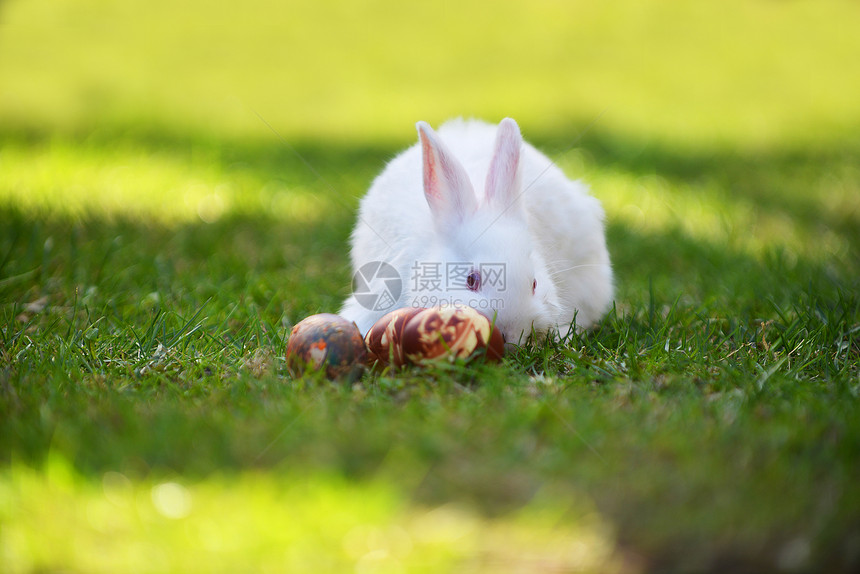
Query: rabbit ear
x=446, y=184
x=503, y=179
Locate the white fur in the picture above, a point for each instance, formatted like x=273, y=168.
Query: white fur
x=465, y=195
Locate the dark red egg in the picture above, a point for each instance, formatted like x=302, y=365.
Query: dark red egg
x=327, y=342
x=383, y=339
x=449, y=333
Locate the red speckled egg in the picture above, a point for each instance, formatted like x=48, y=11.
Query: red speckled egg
x=328, y=342
x=383, y=338
x=448, y=333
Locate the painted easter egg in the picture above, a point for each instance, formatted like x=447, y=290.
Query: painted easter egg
x=327, y=342
x=449, y=333
x=383, y=339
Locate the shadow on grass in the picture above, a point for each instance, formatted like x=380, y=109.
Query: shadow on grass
x=790, y=180
x=790, y=183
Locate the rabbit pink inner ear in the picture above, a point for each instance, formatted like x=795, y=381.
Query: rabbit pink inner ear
x=503, y=178
x=446, y=184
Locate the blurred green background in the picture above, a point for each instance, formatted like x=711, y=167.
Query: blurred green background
x=739, y=73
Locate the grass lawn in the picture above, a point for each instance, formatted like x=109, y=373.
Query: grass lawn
x=177, y=187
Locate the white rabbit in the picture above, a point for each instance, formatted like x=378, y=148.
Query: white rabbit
x=474, y=216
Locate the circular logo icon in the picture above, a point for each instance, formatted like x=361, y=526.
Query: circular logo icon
x=377, y=286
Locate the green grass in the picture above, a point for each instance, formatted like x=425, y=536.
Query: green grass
x=158, y=238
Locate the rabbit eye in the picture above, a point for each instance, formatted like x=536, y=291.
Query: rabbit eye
x=534, y=286
x=473, y=281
